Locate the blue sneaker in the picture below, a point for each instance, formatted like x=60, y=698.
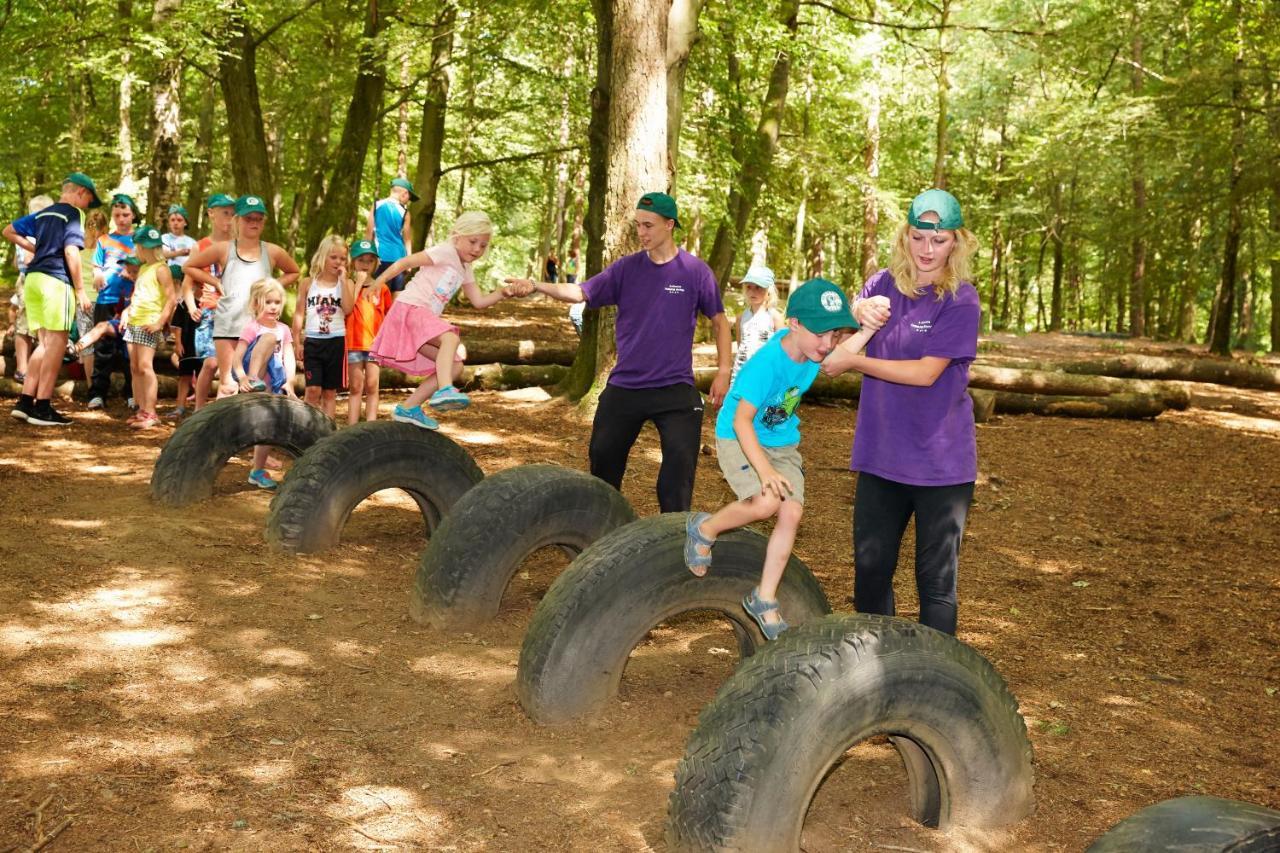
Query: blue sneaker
x=414, y=416
x=260, y=478
x=449, y=399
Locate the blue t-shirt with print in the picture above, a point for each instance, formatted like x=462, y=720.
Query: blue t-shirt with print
x=52, y=230
x=774, y=384
x=116, y=289
x=388, y=225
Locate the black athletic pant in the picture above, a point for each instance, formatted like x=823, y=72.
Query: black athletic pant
x=109, y=355
x=676, y=410
x=881, y=509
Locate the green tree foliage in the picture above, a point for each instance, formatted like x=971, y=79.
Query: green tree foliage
x=1054, y=121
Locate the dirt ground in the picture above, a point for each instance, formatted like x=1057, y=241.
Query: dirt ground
x=170, y=683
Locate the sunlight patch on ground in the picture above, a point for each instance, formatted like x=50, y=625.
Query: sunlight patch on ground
x=90, y=751
x=268, y=772
x=446, y=665
x=78, y=523
x=471, y=436
x=536, y=394
x=281, y=656
x=378, y=816
x=388, y=498
x=140, y=638
x=1122, y=701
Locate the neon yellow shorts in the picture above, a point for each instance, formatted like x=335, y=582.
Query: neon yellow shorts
x=50, y=303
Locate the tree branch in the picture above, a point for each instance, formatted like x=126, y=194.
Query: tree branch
x=513, y=158
x=274, y=28
x=895, y=25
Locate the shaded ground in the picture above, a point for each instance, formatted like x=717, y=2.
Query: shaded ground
x=170, y=683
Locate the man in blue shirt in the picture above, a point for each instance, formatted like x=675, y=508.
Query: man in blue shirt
x=388, y=227
x=54, y=237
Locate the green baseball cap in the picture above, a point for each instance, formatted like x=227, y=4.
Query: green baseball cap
x=181, y=211
x=936, y=201
x=80, y=179
x=127, y=201
x=820, y=306
x=362, y=247
x=219, y=200
x=247, y=204
x=405, y=185
x=148, y=236
x=131, y=261
x=659, y=203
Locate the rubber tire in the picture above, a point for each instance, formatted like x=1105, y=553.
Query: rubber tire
x=785, y=717
x=1195, y=825
x=313, y=504
x=495, y=526
x=190, y=460
x=621, y=587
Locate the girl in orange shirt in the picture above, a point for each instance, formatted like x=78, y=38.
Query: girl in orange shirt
x=372, y=301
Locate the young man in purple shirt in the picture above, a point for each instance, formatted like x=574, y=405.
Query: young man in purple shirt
x=659, y=292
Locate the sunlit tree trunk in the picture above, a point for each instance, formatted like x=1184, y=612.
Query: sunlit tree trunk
x=944, y=88
x=201, y=164
x=870, y=246
x=431, y=144
x=682, y=34
x=1138, y=283
x=402, y=122
x=1220, y=331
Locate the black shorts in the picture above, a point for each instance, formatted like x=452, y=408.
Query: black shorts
x=187, y=330
x=322, y=362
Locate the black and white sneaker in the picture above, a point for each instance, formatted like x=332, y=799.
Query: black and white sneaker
x=22, y=410
x=48, y=417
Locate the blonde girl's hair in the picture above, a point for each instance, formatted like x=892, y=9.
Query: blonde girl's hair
x=38, y=203
x=259, y=292
x=470, y=224
x=322, y=253
x=770, y=295
x=903, y=268
x=95, y=223
x=148, y=254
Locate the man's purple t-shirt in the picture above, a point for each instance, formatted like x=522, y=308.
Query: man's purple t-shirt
x=913, y=435
x=658, y=307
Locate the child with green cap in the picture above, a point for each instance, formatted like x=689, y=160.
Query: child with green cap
x=758, y=441
x=200, y=301
x=144, y=323
x=370, y=303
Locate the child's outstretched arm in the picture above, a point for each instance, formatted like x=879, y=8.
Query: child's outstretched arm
x=480, y=299
x=744, y=428
x=408, y=262
x=840, y=360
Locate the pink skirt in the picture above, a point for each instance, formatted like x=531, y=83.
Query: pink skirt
x=404, y=331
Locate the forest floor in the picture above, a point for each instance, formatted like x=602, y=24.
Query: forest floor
x=170, y=683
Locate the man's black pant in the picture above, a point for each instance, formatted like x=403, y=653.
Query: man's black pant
x=109, y=355
x=881, y=509
x=676, y=410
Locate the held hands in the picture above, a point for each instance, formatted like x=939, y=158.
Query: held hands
x=872, y=313
x=517, y=287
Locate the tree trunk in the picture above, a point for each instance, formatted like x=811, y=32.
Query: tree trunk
x=1220, y=333
x=167, y=122
x=246, y=132
x=1055, y=234
x=201, y=164
x=1127, y=406
x=1138, y=285
x=402, y=123
x=944, y=86
x=431, y=143
x=128, y=180
x=1062, y=383
x=1273, y=211
x=337, y=213
x=869, y=260
x=682, y=35
x=757, y=158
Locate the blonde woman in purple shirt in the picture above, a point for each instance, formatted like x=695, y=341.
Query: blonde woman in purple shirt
x=915, y=447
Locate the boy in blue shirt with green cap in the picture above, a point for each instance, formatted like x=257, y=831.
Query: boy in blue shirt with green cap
x=758, y=440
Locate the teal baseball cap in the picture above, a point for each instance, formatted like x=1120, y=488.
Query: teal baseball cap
x=80, y=179
x=404, y=184
x=148, y=236
x=247, y=204
x=181, y=211
x=127, y=201
x=131, y=261
x=219, y=200
x=661, y=204
x=820, y=306
x=760, y=277
x=937, y=201
x=362, y=247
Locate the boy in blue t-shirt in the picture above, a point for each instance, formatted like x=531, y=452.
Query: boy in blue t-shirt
x=758, y=440
x=52, y=288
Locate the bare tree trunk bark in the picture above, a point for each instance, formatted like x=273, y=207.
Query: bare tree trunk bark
x=682, y=35
x=431, y=143
x=944, y=88
x=167, y=122
x=870, y=254
x=246, y=132
x=402, y=123
x=1055, y=235
x=337, y=213
x=1220, y=333
x=1138, y=284
x=201, y=164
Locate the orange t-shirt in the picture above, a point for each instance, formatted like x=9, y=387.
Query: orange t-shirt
x=366, y=318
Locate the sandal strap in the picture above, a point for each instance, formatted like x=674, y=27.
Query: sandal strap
x=694, y=533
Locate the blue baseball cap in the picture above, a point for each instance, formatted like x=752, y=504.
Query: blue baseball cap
x=942, y=203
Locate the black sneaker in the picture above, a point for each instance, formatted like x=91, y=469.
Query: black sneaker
x=22, y=410
x=48, y=417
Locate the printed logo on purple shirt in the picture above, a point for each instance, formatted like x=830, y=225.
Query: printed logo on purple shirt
x=921, y=325
x=674, y=288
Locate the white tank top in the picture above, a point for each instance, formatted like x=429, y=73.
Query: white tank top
x=755, y=331
x=324, y=311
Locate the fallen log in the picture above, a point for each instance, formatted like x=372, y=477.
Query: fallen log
x=1236, y=374
x=496, y=351
x=1131, y=406
x=1060, y=383
x=507, y=377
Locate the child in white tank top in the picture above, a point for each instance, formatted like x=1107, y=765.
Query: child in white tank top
x=319, y=324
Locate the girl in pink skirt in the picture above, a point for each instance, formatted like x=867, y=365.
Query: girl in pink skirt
x=414, y=339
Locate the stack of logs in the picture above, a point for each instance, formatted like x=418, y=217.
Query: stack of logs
x=1129, y=386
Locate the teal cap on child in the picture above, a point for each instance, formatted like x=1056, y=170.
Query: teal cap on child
x=362, y=247
x=181, y=211
x=126, y=200
x=219, y=200
x=759, y=276
x=80, y=179
x=405, y=185
x=942, y=203
x=247, y=204
x=820, y=306
x=148, y=236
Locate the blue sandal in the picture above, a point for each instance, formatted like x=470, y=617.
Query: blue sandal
x=757, y=607
x=697, y=563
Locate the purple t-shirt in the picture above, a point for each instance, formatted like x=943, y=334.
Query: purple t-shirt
x=658, y=307
x=913, y=435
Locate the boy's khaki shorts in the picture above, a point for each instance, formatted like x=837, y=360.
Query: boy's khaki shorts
x=742, y=477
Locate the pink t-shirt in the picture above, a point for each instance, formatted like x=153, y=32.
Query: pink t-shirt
x=284, y=338
x=434, y=285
